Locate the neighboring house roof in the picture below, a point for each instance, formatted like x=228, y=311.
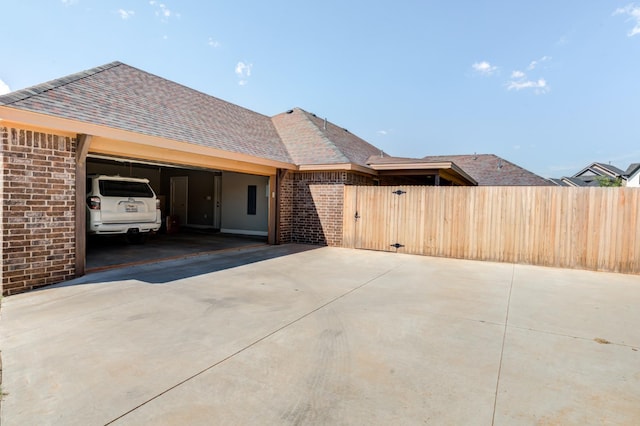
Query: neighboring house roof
x=491, y=170
x=123, y=97
x=600, y=169
x=581, y=181
x=311, y=140
x=558, y=182
x=590, y=175
x=632, y=170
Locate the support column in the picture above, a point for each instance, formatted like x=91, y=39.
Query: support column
x=82, y=149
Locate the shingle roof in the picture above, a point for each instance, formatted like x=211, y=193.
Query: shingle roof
x=491, y=170
x=558, y=182
x=313, y=140
x=632, y=169
x=123, y=97
x=581, y=181
x=612, y=169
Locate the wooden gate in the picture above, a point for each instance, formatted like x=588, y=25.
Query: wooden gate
x=381, y=217
x=586, y=228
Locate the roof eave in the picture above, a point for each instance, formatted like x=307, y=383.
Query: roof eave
x=23, y=118
x=407, y=167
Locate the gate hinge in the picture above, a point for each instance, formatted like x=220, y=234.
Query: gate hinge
x=399, y=192
x=397, y=245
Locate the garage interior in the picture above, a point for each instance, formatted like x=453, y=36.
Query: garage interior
x=202, y=210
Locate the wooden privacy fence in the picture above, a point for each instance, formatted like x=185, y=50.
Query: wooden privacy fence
x=584, y=228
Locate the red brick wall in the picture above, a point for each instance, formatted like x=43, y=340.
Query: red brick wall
x=38, y=219
x=311, y=206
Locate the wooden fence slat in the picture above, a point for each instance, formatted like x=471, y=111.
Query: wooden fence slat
x=587, y=228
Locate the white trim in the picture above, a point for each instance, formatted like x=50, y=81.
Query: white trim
x=244, y=232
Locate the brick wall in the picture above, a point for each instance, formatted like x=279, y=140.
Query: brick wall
x=311, y=206
x=38, y=199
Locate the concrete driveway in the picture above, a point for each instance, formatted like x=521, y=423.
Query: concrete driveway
x=302, y=335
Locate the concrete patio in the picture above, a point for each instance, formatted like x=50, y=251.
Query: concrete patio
x=298, y=334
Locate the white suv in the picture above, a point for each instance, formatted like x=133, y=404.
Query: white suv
x=121, y=205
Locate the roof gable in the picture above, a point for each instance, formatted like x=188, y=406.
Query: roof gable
x=122, y=97
x=600, y=169
x=312, y=140
x=491, y=170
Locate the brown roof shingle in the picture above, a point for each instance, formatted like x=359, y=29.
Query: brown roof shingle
x=313, y=140
x=491, y=170
x=123, y=97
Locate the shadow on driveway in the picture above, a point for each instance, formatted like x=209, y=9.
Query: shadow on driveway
x=107, y=252
x=190, y=264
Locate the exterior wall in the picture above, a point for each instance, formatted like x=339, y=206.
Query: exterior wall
x=634, y=181
x=234, y=204
x=38, y=209
x=311, y=206
x=201, y=197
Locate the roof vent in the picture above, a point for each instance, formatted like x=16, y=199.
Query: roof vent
x=325, y=123
x=346, y=130
x=290, y=111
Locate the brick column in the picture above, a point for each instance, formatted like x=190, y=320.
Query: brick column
x=312, y=206
x=38, y=209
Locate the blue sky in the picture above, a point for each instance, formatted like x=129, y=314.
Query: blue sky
x=549, y=85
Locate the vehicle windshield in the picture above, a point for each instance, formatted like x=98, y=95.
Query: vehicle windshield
x=118, y=188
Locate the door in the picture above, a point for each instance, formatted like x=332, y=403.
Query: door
x=180, y=198
x=217, y=196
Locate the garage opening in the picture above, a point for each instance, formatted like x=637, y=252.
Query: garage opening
x=202, y=210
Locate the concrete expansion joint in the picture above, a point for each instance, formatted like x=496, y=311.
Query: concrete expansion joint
x=504, y=337
x=238, y=352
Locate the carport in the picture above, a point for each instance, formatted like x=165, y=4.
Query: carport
x=203, y=210
x=222, y=184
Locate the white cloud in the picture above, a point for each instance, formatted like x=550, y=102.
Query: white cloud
x=4, y=88
x=520, y=81
x=213, y=43
x=535, y=64
x=69, y=2
x=633, y=13
x=243, y=71
x=540, y=86
x=383, y=132
x=126, y=14
x=162, y=11
x=484, y=68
